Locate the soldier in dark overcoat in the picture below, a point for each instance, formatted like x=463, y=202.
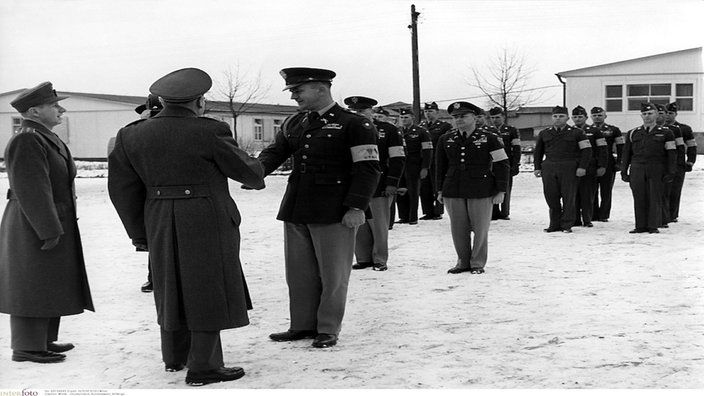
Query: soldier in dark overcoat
x=335, y=173
x=168, y=180
x=561, y=157
x=432, y=209
x=512, y=144
x=473, y=168
x=42, y=270
x=605, y=183
x=649, y=161
x=372, y=246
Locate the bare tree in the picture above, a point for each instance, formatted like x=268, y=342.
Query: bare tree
x=505, y=80
x=241, y=92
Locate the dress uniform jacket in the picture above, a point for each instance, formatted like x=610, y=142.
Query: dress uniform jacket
x=598, y=142
x=656, y=146
x=689, y=141
x=168, y=182
x=391, y=156
x=512, y=144
x=569, y=145
x=419, y=150
x=436, y=129
x=613, y=136
x=476, y=167
x=42, y=205
x=335, y=165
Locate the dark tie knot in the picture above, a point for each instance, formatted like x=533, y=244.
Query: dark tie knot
x=313, y=115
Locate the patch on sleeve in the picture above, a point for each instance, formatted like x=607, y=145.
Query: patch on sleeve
x=670, y=145
x=584, y=144
x=620, y=140
x=365, y=152
x=396, y=151
x=426, y=145
x=498, y=155
x=601, y=142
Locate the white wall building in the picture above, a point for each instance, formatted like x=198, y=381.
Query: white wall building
x=620, y=87
x=92, y=119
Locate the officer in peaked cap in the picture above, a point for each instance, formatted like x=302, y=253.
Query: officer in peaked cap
x=512, y=144
x=419, y=153
x=335, y=173
x=372, y=248
x=42, y=270
x=168, y=182
x=649, y=161
x=686, y=156
x=432, y=209
x=586, y=188
x=562, y=154
x=472, y=173
x=605, y=184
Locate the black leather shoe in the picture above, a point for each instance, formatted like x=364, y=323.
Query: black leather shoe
x=325, y=340
x=362, y=265
x=380, y=267
x=402, y=222
x=674, y=220
x=602, y=220
x=147, y=287
x=413, y=222
x=552, y=229
x=653, y=231
x=476, y=271
x=222, y=374
x=174, y=367
x=458, y=270
x=504, y=218
x=589, y=225
x=638, y=231
x=59, y=348
x=38, y=356
x=664, y=226
x=426, y=217
x=293, y=335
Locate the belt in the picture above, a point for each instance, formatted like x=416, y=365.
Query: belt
x=178, y=192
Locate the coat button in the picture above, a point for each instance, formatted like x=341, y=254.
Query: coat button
x=188, y=192
x=304, y=157
x=306, y=146
x=158, y=192
x=329, y=135
x=308, y=135
x=461, y=153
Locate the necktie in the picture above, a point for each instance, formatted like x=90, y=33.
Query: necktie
x=312, y=116
x=464, y=135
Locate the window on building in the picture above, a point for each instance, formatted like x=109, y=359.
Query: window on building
x=258, y=129
x=277, y=126
x=684, y=96
x=16, y=123
x=640, y=93
x=614, y=98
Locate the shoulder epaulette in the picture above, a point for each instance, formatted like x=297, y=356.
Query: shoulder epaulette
x=25, y=129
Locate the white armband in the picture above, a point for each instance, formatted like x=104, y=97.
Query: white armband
x=498, y=155
x=670, y=145
x=396, y=151
x=365, y=152
x=584, y=144
x=679, y=141
x=426, y=145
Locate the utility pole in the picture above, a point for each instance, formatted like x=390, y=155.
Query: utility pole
x=414, y=54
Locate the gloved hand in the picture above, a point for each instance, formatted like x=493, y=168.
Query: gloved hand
x=688, y=166
x=538, y=173
x=625, y=177
x=424, y=173
x=600, y=172
x=581, y=172
x=50, y=243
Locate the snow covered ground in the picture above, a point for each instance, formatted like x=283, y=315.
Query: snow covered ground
x=598, y=308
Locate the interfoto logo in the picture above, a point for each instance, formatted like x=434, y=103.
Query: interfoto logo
x=23, y=392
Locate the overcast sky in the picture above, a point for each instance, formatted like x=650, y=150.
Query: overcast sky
x=122, y=46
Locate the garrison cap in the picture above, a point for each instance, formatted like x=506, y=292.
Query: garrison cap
x=496, y=110
x=405, y=111
x=152, y=104
x=463, y=108
x=672, y=107
x=579, y=110
x=43, y=93
x=660, y=107
x=596, y=110
x=183, y=85
x=647, y=107
x=559, y=110
x=360, y=102
x=295, y=76
x=381, y=110
x=431, y=106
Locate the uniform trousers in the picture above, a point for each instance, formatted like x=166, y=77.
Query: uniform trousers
x=408, y=203
x=503, y=209
x=469, y=216
x=584, y=199
x=428, y=200
x=32, y=334
x=198, y=350
x=603, y=195
x=318, y=266
x=559, y=188
x=647, y=188
x=373, y=236
x=676, y=193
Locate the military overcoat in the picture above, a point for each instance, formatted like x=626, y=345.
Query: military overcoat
x=168, y=182
x=42, y=205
